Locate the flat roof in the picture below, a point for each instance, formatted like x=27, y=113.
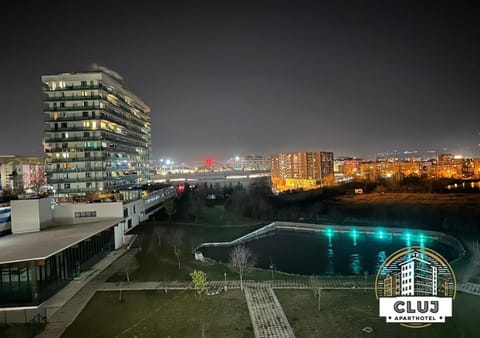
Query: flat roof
x=45, y=243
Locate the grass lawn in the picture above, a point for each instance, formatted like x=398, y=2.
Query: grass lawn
x=20, y=331
x=217, y=215
x=344, y=313
x=157, y=314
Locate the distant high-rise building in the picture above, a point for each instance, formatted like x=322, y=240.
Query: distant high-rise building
x=301, y=170
x=249, y=163
x=98, y=134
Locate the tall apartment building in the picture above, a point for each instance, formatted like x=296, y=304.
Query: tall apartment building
x=301, y=170
x=97, y=136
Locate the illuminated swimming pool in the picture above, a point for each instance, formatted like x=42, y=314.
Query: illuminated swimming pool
x=330, y=250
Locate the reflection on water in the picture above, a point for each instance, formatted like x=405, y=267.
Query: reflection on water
x=330, y=257
x=329, y=252
x=381, y=256
x=355, y=266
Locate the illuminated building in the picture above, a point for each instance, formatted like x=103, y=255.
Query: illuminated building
x=18, y=173
x=418, y=277
x=301, y=170
x=391, y=285
x=248, y=163
x=97, y=135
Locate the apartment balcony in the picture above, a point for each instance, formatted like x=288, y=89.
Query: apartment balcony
x=71, y=98
x=76, y=180
x=73, y=139
x=69, y=118
x=75, y=191
x=72, y=108
x=73, y=149
x=77, y=159
x=60, y=129
x=66, y=88
x=75, y=170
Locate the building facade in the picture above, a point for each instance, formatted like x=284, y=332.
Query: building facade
x=19, y=174
x=97, y=136
x=301, y=170
x=418, y=277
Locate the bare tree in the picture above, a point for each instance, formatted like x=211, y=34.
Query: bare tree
x=37, y=179
x=176, y=241
x=242, y=260
x=316, y=288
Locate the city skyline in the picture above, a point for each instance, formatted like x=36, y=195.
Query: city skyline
x=225, y=79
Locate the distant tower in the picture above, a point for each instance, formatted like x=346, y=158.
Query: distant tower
x=98, y=133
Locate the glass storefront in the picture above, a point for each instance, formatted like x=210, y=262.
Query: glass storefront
x=32, y=282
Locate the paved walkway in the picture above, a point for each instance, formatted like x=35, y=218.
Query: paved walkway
x=467, y=287
x=67, y=306
x=266, y=314
x=329, y=283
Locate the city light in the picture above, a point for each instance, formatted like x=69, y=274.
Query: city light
x=421, y=239
x=408, y=238
x=379, y=234
x=329, y=232
x=354, y=235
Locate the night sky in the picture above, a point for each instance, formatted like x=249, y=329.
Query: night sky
x=234, y=77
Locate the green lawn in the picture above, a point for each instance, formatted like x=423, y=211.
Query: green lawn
x=344, y=313
x=20, y=331
x=217, y=215
x=160, y=314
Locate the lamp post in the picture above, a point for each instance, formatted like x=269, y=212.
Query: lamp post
x=225, y=278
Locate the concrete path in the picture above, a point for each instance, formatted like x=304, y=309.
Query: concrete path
x=467, y=287
x=266, y=314
x=328, y=283
x=67, y=305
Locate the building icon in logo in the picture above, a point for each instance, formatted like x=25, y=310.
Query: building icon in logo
x=415, y=287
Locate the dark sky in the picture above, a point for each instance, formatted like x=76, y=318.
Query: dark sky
x=233, y=77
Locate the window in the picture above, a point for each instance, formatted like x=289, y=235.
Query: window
x=85, y=103
x=87, y=154
x=87, y=175
x=89, y=185
x=64, y=125
x=84, y=83
x=85, y=114
x=79, y=214
x=86, y=134
x=66, y=185
x=62, y=104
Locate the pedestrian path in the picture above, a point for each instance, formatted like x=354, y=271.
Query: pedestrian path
x=235, y=284
x=76, y=296
x=470, y=288
x=266, y=314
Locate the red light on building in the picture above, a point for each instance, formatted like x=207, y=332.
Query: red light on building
x=209, y=161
